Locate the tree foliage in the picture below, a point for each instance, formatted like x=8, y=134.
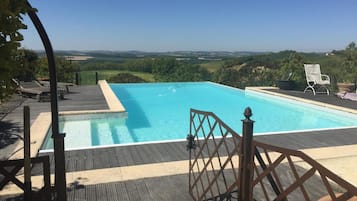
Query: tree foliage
x=65, y=69
x=11, y=12
x=28, y=60
x=350, y=63
x=171, y=70
x=125, y=78
x=294, y=64
x=260, y=70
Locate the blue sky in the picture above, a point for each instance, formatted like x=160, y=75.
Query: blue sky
x=209, y=25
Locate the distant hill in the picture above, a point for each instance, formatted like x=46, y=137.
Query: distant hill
x=140, y=54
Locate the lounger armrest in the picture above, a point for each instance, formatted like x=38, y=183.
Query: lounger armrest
x=16, y=82
x=325, y=77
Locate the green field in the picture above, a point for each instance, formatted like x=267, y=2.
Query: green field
x=212, y=66
x=88, y=77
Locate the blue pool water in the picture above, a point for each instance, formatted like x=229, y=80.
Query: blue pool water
x=160, y=111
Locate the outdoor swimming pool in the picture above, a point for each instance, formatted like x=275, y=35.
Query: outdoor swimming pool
x=160, y=111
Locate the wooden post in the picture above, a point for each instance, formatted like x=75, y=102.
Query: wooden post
x=246, y=159
x=27, y=156
x=58, y=143
x=96, y=77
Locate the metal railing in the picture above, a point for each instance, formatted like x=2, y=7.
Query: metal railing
x=58, y=138
x=227, y=166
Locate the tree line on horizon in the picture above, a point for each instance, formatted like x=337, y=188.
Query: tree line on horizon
x=255, y=70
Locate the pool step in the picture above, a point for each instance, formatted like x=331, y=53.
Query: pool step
x=116, y=134
x=123, y=134
x=105, y=137
x=84, y=131
x=88, y=133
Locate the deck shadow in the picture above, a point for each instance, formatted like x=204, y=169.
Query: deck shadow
x=9, y=133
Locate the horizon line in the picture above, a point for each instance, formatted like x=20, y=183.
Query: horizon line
x=173, y=51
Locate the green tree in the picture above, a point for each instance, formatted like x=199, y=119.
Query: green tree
x=294, y=63
x=65, y=69
x=11, y=12
x=231, y=76
x=188, y=73
x=125, y=78
x=164, y=68
x=28, y=61
x=171, y=70
x=350, y=63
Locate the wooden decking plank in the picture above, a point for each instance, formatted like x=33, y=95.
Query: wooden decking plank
x=80, y=194
x=106, y=158
x=134, y=153
x=160, y=188
x=159, y=155
x=126, y=155
x=111, y=192
x=181, y=151
x=69, y=158
x=88, y=164
x=71, y=161
x=173, y=150
x=91, y=192
x=70, y=164
x=179, y=189
x=114, y=160
x=168, y=155
x=98, y=159
x=80, y=163
x=154, y=184
x=146, y=154
x=70, y=194
x=80, y=160
x=101, y=192
x=143, y=190
x=121, y=191
x=132, y=191
x=121, y=157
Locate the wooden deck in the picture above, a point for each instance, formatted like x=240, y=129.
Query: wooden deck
x=164, y=152
x=329, y=99
x=173, y=187
x=158, y=189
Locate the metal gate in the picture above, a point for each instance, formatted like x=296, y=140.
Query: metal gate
x=227, y=166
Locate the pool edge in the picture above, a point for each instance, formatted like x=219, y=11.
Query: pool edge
x=113, y=102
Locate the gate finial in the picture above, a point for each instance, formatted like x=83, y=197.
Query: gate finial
x=248, y=113
x=190, y=142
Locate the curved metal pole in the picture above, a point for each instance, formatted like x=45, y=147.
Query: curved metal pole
x=58, y=139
